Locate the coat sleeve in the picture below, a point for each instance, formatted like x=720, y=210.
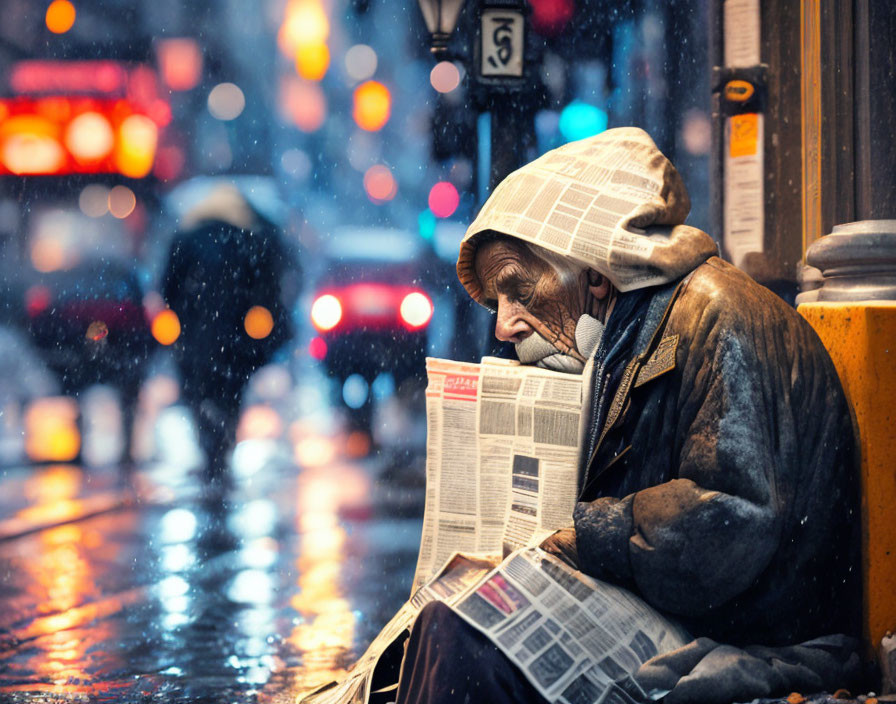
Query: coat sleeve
x=695, y=542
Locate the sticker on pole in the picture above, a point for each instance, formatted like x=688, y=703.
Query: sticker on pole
x=502, y=43
x=744, y=203
x=744, y=135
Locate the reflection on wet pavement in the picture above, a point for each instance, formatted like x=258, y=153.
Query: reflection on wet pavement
x=167, y=587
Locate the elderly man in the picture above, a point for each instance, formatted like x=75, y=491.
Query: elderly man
x=717, y=478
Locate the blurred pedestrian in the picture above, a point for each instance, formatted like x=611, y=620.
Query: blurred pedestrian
x=225, y=281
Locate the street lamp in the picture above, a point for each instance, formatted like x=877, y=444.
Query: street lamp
x=440, y=17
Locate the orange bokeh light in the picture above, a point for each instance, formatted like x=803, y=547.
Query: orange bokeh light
x=372, y=105
x=258, y=322
x=136, y=151
x=312, y=61
x=60, y=16
x=379, y=183
x=166, y=327
x=51, y=430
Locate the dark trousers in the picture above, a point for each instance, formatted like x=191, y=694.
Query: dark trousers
x=449, y=661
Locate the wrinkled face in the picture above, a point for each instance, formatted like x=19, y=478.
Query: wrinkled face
x=529, y=295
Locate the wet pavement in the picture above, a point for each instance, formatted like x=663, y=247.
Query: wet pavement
x=164, y=584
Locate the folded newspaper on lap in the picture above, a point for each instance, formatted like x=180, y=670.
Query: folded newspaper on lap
x=502, y=465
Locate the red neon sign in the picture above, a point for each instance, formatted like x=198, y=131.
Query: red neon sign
x=81, y=117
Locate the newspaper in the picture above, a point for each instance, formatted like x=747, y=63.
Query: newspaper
x=611, y=202
x=502, y=457
x=576, y=639
x=457, y=577
x=502, y=474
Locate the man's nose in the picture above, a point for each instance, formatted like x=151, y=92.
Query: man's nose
x=510, y=326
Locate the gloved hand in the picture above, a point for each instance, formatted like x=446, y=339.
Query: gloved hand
x=562, y=544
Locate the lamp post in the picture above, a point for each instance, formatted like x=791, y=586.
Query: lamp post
x=440, y=17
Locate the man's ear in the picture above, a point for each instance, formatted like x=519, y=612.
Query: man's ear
x=598, y=284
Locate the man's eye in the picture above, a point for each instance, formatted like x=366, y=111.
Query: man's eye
x=523, y=296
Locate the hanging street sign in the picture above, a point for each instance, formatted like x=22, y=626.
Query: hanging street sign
x=502, y=43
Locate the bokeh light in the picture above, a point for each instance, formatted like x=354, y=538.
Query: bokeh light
x=550, y=17
x=60, y=16
x=89, y=137
x=312, y=61
x=696, y=132
x=326, y=312
x=31, y=147
x=305, y=22
x=416, y=309
x=580, y=120
x=444, y=77
x=443, y=199
x=426, y=224
x=317, y=348
x=122, y=201
x=296, y=163
x=137, y=140
x=180, y=62
x=303, y=104
x=380, y=184
x=372, y=106
x=226, y=101
x=258, y=322
x=364, y=149
x=94, y=200
x=51, y=430
x=48, y=254
x=355, y=391
x=166, y=327
x=360, y=62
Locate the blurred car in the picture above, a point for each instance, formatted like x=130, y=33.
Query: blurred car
x=371, y=308
x=89, y=325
